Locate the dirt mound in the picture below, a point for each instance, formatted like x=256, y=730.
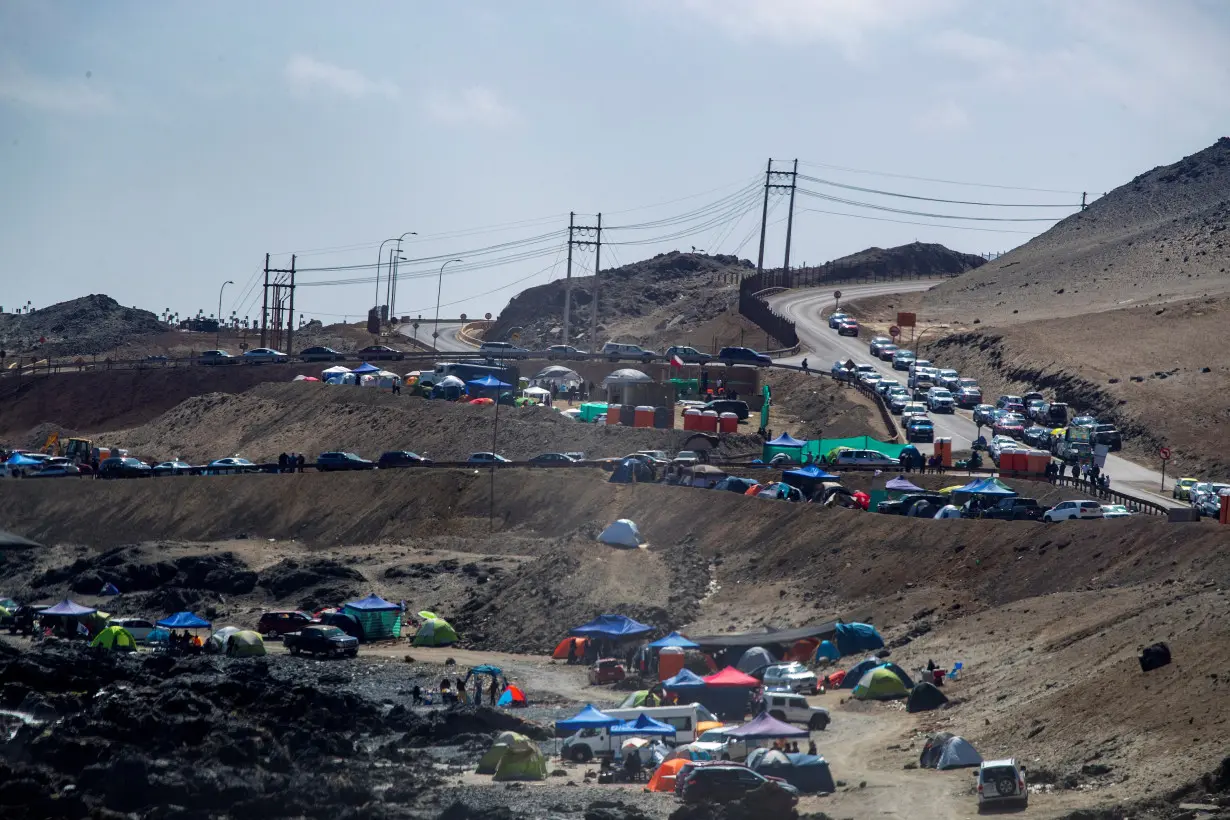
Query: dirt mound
x=319, y=581
x=1160, y=236
x=675, y=289
x=808, y=407
x=135, y=569
x=922, y=259
x=78, y=327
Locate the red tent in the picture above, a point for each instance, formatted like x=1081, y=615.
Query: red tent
x=862, y=499
x=561, y=649
x=731, y=677
x=802, y=650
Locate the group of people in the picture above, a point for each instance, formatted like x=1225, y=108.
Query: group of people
x=792, y=747
x=455, y=692
x=291, y=463
x=184, y=643
x=1089, y=475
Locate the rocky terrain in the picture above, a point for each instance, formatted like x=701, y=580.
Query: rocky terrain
x=89, y=325
x=921, y=259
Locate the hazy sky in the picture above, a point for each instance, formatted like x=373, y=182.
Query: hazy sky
x=151, y=151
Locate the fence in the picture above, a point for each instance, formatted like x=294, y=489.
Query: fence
x=757, y=310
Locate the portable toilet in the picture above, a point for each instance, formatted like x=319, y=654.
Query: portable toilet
x=643, y=417
x=691, y=419
x=709, y=421
x=612, y=413
x=1037, y=460
x=627, y=415
x=943, y=449
x=664, y=418
x=728, y=422
x=670, y=661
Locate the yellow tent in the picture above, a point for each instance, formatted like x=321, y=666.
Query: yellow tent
x=115, y=637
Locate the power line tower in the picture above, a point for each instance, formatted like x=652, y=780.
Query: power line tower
x=774, y=181
x=591, y=236
x=278, y=307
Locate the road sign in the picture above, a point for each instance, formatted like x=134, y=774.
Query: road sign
x=906, y=319
x=894, y=331
x=1164, y=453
x=849, y=364
x=487, y=316
x=463, y=317
x=416, y=325
x=836, y=294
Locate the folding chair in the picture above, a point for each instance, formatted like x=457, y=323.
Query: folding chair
x=956, y=671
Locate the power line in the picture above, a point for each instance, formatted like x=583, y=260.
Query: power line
x=1068, y=206
x=736, y=209
x=908, y=222
x=940, y=181
x=858, y=204
x=690, y=216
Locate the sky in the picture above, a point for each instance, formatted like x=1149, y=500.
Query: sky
x=154, y=151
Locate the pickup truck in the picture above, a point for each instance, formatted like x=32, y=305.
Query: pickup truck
x=1016, y=509
x=321, y=640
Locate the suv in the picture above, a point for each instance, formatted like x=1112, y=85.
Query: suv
x=877, y=343
x=794, y=676
x=565, y=352
x=1068, y=510
x=848, y=327
x=616, y=351
x=897, y=398
x=726, y=782
x=984, y=415
x=742, y=355
x=1056, y=414
x=1004, y=401
x=940, y=400
x=328, y=462
x=282, y=621
x=902, y=505
x=863, y=458
x=502, y=350
x=919, y=428
x=689, y=355
x=1015, y=509
x=791, y=707
x=321, y=640
x=125, y=467
x=606, y=670
x=1108, y=435
x=902, y=359
x=887, y=352
x=1002, y=783
x=948, y=378
x=736, y=406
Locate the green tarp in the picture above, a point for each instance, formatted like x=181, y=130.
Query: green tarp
x=824, y=446
x=591, y=410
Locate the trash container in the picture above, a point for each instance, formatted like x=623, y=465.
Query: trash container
x=643, y=417
x=691, y=419
x=729, y=422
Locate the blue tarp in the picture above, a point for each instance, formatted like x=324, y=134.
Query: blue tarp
x=786, y=440
x=826, y=649
x=812, y=473
x=854, y=638
x=643, y=725
x=109, y=589
x=587, y=718
x=487, y=669
x=856, y=672
x=19, y=460
x=985, y=486
x=183, y=620
x=610, y=626
x=685, y=680
x=374, y=603
x=674, y=639
x=735, y=484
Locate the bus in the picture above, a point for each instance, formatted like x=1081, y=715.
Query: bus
x=509, y=374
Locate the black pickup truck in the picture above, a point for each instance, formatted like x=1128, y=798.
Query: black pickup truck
x=1015, y=509
x=321, y=640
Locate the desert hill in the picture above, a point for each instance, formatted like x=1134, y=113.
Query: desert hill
x=78, y=327
x=924, y=259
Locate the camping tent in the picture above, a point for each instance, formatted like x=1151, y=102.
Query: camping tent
x=880, y=684
x=784, y=444
x=245, y=644
x=854, y=638
x=644, y=726
x=630, y=470
x=183, y=620
x=735, y=484
x=924, y=697
x=685, y=681
x=216, y=643
x=622, y=533
x=521, y=759
x=984, y=487
x=614, y=627
x=731, y=677
x=435, y=631
x=899, y=672
x=808, y=478
x=69, y=609
x=366, y=369
x=754, y=658
x=587, y=718
x=109, y=589
x=378, y=618
x=337, y=375
x=946, y=751
x=561, y=649
x=557, y=374
x=766, y=727
x=855, y=673
x=490, y=761
x=663, y=779
x=827, y=649
x=674, y=639
x=115, y=637
x=512, y=696
x=808, y=773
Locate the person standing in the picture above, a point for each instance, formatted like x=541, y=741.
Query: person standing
x=300, y=462
x=494, y=691
x=283, y=459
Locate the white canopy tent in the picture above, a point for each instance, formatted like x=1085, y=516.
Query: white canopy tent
x=338, y=375
x=627, y=375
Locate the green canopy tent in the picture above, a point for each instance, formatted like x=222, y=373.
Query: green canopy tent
x=378, y=618
x=784, y=444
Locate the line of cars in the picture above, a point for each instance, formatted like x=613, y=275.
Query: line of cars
x=619, y=351
x=1203, y=496
x=319, y=353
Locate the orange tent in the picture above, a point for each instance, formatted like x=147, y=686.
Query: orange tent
x=482, y=401
x=663, y=779
x=835, y=678
x=752, y=490
x=561, y=649
x=802, y=651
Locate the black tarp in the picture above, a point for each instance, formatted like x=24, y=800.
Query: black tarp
x=780, y=637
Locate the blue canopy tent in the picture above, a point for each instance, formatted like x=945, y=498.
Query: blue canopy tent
x=987, y=487
x=674, y=639
x=685, y=681
x=365, y=369
x=611, y=627
x=487, y=669
x=643, y=725
x=69, y=609
x=490, y=382
x=587, y=718
x=787, y=444
x=487, y=382
x=721, y=700
x=377, y=617
x=853, y=638
x=808, y=478
x=183, y=620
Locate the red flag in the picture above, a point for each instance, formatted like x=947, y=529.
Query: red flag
x=676, y=361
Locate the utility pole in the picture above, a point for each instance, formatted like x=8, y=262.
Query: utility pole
x=290, y=324
x=771, y=185
x=283, y=287
x=593, y=318
x=794, y=178
x=265, y=303
x=1084, y=194
x=568, y=279
x=764, y=215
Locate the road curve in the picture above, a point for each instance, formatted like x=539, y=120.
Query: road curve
x=822, y=346
x=448, y=341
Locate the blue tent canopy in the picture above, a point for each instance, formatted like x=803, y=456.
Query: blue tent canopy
x=786, y=440
x=826, y=649
x=610, y=626
x=809, y=473
x=985, y=486
x=487, y=669
x=487, y=382
x=374, y=603
x=902, y=483
x=365, y=368
x=72, y=609
x=587, y=718
x=643, y=725
x=183, y=620
x=674, y=639
x=20, y=460
x=686, y=679
x=855, y=637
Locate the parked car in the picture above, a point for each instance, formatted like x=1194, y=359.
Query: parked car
x=214, y=357
x=553, y=458
x=863, y=458
x=836, y=318
x=321, y=640
x=172, y=468
x=1002, y=783
x=1083, y=421
x=606, y=670
x=689, y=355
x=139, y=628
x=377, y=352
x=1056, y=414
x=1015, y=509
x=721, y=747
x=792, y=707
x=615, y=351
x=487, y=458
x=54, y=467
x=919, y=428
x=897, y=399
x=968, y=397
x=982, y=415
x=336, y=460
x=124, y=467
x=903, y=504
x=279, y=622
x=502, y=350
x=402, y=458
x=686, y=458
x=1010, y=424
x=794, y=676
x=884, y=385
x=1069, y=510
x=870, y=379
x=902, y=359
x=1003, y=401
x=264, y=355
x=848, y=327
x=1108, y=435
x=1115, y=511
x=565, y=352
x=940, y=400
x=319, y=353
x=1182, y=487
x=887, y=352
x=1036, y=436
x=913, y=408
x=947, y=378
x=726, y=782
x=229, y=466
x=736, y=406
x=877, y=344
x=742, y=355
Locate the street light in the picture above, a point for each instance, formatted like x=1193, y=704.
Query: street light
x=218, y=328
x=435, y=334
x=379, y=261
x=392, y=300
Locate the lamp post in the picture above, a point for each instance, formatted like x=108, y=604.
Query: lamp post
x=435, y=334
x=218, y=329
x=379, y=261
x=392, y=287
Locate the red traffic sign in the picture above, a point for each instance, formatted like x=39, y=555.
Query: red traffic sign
x=836, y=294
x=1164, y=453
x=894, y=331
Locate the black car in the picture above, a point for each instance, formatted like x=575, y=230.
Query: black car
x=402, y=458
x=330, y=462
x=321, y=640
x=724, y=783
x=743, y=355
x=984, y=415
x=124, y=467
x=1054, y=414
x=920, y=429
x=320, y=354
x=1037, y=437
x=376, y=352
x=1108, y=435
x=739, y=408
x=1016, y=509
x=553, y=458
x=902, y=505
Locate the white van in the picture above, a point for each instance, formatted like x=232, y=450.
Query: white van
x=616, y=351
x=590, y=743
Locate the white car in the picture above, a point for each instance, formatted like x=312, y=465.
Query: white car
x=863, y=370
x=721, y=747
x=1115, y=511
x=139, y=628
x=264, y=354
x=940, y=400
x=863, y=458
x=913, y=408
x=686, y=457
x=790, y=707
x=794, y=675
x=56, y=466
x=1002, y=783
x=503, y=350
x=487, y=458
x=1071, y=510
x=947, y=377
x=869, y=379
x=172, y=468
x=229, y=465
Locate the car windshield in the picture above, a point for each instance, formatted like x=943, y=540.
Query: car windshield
x=330, y=631
x=993, y=773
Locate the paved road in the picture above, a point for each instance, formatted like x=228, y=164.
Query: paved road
x=448, y=341
x=823, y=346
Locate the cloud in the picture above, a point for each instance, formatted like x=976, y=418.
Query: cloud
x=470, y=106
x=307, y=76
x=19, y=87
x=942, y=118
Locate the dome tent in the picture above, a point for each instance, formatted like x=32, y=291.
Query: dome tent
x=435, y=631
x=756, y=657
x=947, y=751
x=490, y=761
x=114, y=637
x=520, y=760
x=880, y=684
x=808, y=773
x=245, y=644
x=216, y=643
x=924, y=697
x=855, y=673
x=622, y=533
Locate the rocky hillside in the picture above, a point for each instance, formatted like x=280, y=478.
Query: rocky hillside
x=78, y=327
x=915, y=259
x=670, y=289
x=1161, y=236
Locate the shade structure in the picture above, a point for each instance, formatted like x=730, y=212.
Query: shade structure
x=488, y=382
x=674, y=639
x=487, y=669
x=766, y=727
x=627, y=375
x=450, y=381
x=786, y=440
x=365, y=368
x=731, y=677
x=812, y=472
x=902, y=484
x=183, y=620
x=643, y=725
x=587, y=718
x=373, y=603
x=558, y=373
x=610, y=626
x=377, y=617
x=986, y=486
x=685, y=680
x=68, y=608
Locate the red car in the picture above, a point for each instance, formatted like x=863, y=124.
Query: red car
x=606, y=670
x=281, y=621
x=848, y=327
x=1010, y=424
